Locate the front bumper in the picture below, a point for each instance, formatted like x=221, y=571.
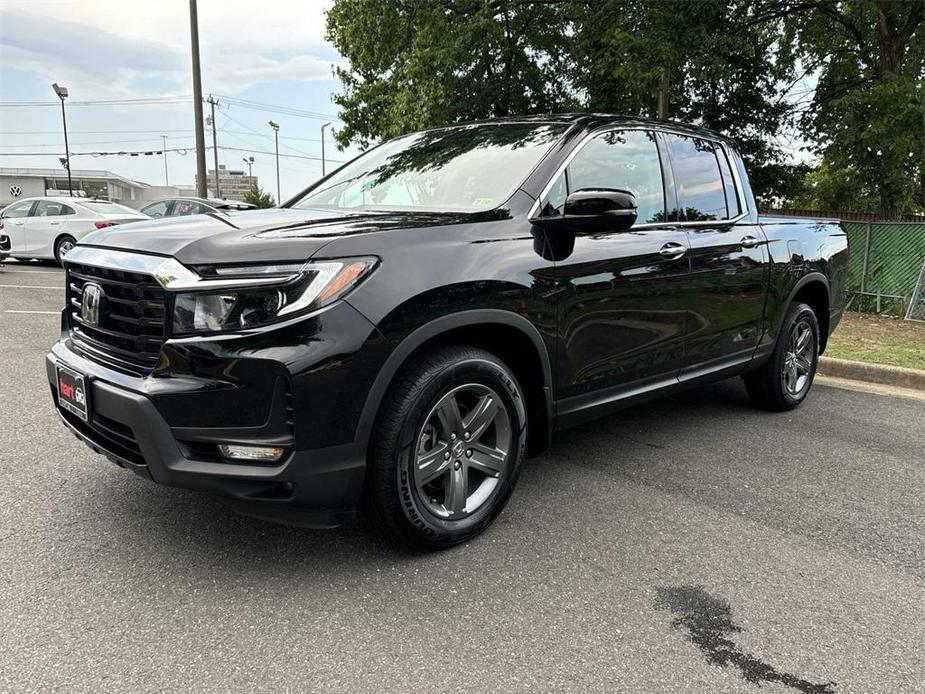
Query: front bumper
x=158, y=425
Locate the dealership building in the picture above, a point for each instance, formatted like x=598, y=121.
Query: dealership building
x=16, y=184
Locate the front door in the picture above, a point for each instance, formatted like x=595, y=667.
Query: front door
x=729, y=259
x=623, y=312
x=14, y=224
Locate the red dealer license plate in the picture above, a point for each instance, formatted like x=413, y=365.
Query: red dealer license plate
x=72, y=392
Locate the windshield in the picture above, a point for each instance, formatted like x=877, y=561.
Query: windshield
x=462, y=169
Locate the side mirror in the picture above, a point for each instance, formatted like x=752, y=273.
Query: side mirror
x=594, y=210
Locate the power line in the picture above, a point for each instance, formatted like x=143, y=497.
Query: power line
x=143, y=101
x=277, y=108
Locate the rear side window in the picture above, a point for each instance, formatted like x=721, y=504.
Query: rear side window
x=48, y=208
x=697, y=177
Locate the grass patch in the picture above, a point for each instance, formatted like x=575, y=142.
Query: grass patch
x=879, y=340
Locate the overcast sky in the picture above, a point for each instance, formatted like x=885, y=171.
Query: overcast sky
x=267, y=51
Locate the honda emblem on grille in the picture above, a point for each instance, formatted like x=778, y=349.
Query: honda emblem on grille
x=90, y=301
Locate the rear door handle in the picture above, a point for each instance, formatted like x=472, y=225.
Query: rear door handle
x=749, y=242
x=54, y=223
x=673, y=250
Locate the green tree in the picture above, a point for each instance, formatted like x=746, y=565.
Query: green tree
x=257, y=196
x=95, y=190
x=866, y=117
x=419, y=63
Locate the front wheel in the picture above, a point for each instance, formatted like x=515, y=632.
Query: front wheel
x=447, y=448
x=784, y=382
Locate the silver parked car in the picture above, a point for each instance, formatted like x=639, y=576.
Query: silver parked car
x=180, y=207
x=47, y=228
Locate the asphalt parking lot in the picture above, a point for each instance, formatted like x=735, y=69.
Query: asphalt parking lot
x=691, y=545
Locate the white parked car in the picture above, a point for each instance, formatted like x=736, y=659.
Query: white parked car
x=47, y=228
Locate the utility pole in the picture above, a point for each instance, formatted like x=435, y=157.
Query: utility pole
x=218, y=192
x=62, y=94
x=322, y=147
x=164, y=149
x=197, y=102
x=275, y=127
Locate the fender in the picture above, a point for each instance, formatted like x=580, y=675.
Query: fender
x=435, y=328
x=802, y=282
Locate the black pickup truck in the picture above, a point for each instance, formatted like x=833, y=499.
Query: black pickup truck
x=403, y=333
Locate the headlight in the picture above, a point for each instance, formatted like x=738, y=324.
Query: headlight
x=276, y=293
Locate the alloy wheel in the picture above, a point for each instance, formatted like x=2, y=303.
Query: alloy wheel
x=798, y=359
x=462, y=452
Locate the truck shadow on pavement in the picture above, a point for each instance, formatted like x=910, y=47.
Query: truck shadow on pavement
x=709, y=626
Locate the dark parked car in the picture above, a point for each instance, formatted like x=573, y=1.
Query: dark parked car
x=180, y=207
x=408, y=329
x=4, y=247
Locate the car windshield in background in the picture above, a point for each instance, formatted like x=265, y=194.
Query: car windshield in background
x=105, y=207
x=462, y=169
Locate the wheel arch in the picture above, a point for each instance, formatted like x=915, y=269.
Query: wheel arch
x=505, y=334
x=813, y=290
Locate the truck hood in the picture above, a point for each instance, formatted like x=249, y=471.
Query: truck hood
x=254, y=236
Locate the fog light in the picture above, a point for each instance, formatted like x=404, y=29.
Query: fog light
x=260, y=454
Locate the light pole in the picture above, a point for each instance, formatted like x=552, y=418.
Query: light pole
x=166, y=177
x=197, y=101
x=62, y=94
x=250, y=163
x=322, y=147
x=275, y=127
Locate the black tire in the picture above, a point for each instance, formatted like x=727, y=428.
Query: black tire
x=769, y=386
x=60, y=244
x=409, y=411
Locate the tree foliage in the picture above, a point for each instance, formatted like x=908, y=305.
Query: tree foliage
x=728, y=65
x=257, y=196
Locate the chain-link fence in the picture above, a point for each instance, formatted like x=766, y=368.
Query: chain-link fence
x=886, y=262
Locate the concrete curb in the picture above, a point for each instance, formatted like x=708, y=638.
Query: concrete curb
x=872, y=373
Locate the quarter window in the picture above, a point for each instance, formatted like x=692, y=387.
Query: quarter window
x=618, y=159
x=701, y=193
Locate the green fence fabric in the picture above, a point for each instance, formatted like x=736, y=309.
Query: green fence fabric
x=886, y=260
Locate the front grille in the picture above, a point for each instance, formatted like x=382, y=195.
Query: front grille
x=132, y=322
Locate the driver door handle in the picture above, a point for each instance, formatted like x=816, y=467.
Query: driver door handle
x=672, y=250
x=749, y=242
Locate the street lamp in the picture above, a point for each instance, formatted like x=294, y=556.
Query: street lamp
x=62, y=94
x=275, y=127
x=322, y=147
x=250, y=162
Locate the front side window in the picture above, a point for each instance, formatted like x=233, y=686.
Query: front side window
x=20, y=209
x=619, y=159
x=158, y=209
x=461, y=169
x=701, y=193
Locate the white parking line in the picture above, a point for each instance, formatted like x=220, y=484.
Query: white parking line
x=44, y=313
x=28, y=286
x=33, y=272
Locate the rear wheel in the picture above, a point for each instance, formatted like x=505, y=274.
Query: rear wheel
x=784, y=382
x=447, y=448
x=63, y=246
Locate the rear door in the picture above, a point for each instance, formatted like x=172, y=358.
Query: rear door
x=623, y=312
x=43, y=226
x=729, y=258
